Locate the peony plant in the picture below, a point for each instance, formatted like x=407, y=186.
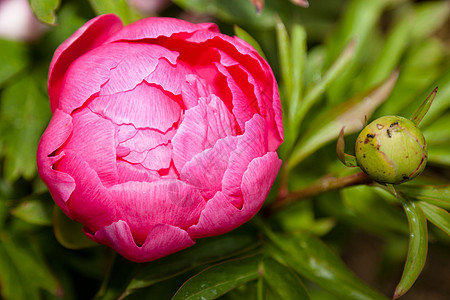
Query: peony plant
x=162, y=132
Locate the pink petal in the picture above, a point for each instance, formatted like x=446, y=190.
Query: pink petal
x=139, y=61
x=152, y=28
x=90, y=202
x=220, y=216
x=134, y=172
x=93, y=139
x=252, y=144
x=158, y=158
x=169, y=76
x=89, y=36
x=161, y=241
x=143, y=205
x=206, y=169
x=193, y=89
x=146, y=106
x=145, y=139
x=202, y=126
x=85, y=77
x=61, y=185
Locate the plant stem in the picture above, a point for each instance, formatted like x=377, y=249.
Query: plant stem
x=325, y=184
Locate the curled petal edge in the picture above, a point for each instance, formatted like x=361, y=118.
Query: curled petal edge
x=221, y=216
x=60, y=185
x=90, y=35
x=161, y=241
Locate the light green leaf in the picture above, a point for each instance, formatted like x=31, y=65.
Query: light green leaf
x=118, y=7
x=231, y=11
x=24, y=112
x=283, y=281
x=36, y=209
x=13, y=58
x=45, y=10
x=285, y=59
x=205, y=251
x=219, y=279
x=313, y=95
x=69, y=233
x=418, y=246
x=436, y=215
x=241, y=33
x=437, y=133
x=431, y=16
x=423, y=108
x=351, y=115
x=315, y=261
x=438, y=195
x=440, y=154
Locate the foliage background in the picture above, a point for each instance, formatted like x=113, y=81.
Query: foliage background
x=328, y=58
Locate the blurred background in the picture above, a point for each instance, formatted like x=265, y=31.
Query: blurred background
x=44, y=256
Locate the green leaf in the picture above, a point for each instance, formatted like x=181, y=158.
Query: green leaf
x=241, y=33
x=437, y=133
x=13, y=59
x=68, y=232
x=314, y=94
x=118, y=275
x=283, y=281
x=219, y=279
x=45, y=10
x=205, y=251
x=315, y=261
x=285, y=58
x=373, y=210
x=418, y=246
x=29, y=273
x=351, y=115
x=37, y=209
x=438, y=195
x=24, y=112
x=230, y=11
x=436, y=215
x=117, y=7
x=346, y=159
x=423, y=108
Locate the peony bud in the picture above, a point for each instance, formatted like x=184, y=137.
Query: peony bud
x=162, y=132
x=391, y=149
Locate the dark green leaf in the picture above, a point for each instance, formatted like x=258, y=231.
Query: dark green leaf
x=206, y=250
x=45, y=10
x=119, y=273
x=437, y=195
x=13, y=58
x=69, y=233
x=117, y=7
x=418, y=246
x=36, y=210
x=24, y=113
x=436, y=215
x=20, y=257
x=219, y=279
x=283, y=281
x=373, y=210
x=314, y=260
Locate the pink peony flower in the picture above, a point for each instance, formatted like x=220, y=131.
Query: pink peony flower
x=162, y=132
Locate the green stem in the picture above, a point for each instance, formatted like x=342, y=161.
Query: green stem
x=325, y=184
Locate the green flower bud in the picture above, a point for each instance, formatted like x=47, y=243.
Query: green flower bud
x=391, y=149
